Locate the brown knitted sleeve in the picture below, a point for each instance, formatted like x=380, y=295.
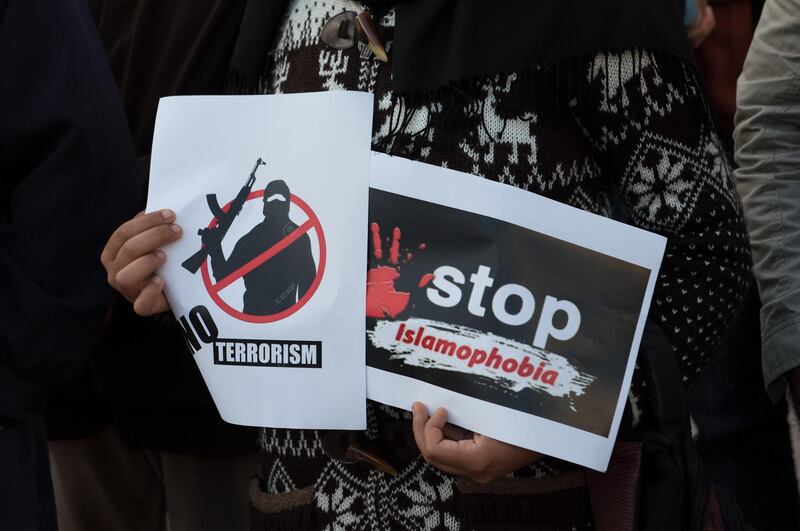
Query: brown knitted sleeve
x=657, y=143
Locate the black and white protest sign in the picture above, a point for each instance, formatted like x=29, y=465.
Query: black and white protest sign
x=520, y=315
x=271, y=192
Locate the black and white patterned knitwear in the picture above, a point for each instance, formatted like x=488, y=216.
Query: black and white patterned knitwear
x=631, y=125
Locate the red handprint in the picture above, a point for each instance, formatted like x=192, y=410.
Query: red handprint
x=383, y=300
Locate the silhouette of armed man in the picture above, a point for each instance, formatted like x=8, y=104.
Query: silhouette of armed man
x=281, y=281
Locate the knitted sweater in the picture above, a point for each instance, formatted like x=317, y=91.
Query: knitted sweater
x=630, y=126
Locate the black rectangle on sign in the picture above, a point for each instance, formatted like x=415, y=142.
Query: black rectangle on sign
x=268, y=353
x=473, y=332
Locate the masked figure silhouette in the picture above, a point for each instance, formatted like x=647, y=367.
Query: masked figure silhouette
x=281, y=281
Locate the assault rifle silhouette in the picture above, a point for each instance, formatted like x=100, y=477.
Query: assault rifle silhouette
x=213, y=236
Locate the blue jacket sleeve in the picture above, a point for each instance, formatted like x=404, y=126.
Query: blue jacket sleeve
x=67, y=178
x=690, y=13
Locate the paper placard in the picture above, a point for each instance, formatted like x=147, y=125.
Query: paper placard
x=271, y=300
x=520, y=315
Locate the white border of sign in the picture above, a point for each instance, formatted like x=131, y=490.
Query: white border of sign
x=513, y=205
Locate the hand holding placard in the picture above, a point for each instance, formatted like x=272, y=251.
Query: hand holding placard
x=132, y=256
x=477, y=457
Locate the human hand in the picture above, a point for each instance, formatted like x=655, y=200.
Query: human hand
x=705, y=24
x=132, y=256
x=467, y=454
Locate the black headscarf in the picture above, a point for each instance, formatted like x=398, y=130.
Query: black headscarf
x=250, y=62
x=438, y=43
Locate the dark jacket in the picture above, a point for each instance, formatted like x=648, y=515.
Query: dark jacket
x=67, y=180
x=149, y=387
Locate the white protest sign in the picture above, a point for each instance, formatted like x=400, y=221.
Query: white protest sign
x=267, y=281
x=520, y=315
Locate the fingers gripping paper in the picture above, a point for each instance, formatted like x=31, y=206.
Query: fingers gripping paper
x=271, y=192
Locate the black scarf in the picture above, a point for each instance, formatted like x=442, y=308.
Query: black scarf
x=441, y=43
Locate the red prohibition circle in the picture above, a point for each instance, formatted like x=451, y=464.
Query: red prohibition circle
x=271, y=318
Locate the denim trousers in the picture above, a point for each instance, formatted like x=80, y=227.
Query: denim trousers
x=742, y=435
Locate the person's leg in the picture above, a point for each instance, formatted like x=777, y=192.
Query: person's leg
x=26, y=491
x=104, y=483
x=46, y=506
x=742, y=437
x=208, y=493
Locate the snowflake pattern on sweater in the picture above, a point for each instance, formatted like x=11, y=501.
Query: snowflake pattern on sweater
x=631, y=132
